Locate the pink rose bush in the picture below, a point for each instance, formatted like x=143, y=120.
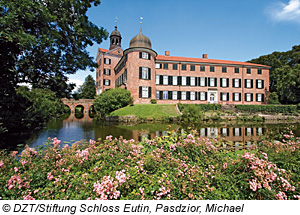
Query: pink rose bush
x=174, y=166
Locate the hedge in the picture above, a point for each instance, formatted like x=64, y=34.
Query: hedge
x=267, y=108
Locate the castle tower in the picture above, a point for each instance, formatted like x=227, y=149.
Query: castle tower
x=115, y=39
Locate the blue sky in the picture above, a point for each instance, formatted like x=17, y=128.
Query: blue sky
x=237, y=30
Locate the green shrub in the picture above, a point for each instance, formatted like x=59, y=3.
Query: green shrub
x=153, y=101
x=267, y=108
x=111, y=100
x=273, y=98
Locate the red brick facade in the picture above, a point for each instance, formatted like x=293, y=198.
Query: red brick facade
x=170, y=79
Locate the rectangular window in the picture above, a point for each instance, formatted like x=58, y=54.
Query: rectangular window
x=224, y=69
x=158, y=66
x=224, y=132
x=248, y=83
x=144, y=73
x=259, y=84
x=106, y=71
x=236, y=132
x=144, y=55
x=236, y=97
x=212, y=69
x=175, y=78
x=157, y=79
x=236, y=70
x=165, y=95
x=236, y=82
x=106, y=82
x=224, y=82
x=192, y=67
x=202, y=68
x=248, y=70
x=202, y=96
x=175, y=66
x=248, y=97
x=174, y=95
x=145, y=92
x=166, y=66
x=107, y=61
x=193, y=81
x=259, y=71
x=166, y=80
x=224, y=96
x=183, y=81
x=183, y=67
x=202, y=82
x=183, y=95
x=212, y=82
x=157, y=94
x=193, y=96
x=259, y=97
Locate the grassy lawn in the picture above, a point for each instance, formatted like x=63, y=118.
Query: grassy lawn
x=147, y=110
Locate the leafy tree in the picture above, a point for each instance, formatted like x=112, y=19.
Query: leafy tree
x=111, y=100
x=88, y=88
x=40, y=43
x=283, y=73
x=288, y=83
x=273, y=98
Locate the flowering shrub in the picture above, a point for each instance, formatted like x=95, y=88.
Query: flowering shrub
x=170, y=167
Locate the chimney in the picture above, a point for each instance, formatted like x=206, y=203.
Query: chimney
x=204, y=56
x=167, y=53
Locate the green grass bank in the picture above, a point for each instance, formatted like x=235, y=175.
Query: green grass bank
x=147, y=111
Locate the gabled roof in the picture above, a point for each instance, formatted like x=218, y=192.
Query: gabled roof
x=206, y=61
x=103, y=50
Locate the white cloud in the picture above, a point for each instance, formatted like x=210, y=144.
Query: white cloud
x=75, y=81
x=285, y=12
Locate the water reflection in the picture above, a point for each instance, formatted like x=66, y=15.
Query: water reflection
x=73, y=128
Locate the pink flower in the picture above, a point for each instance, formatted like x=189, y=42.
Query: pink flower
x=92, y=142
x=224, y=165
x=49, y=176
x=28, y=197
x=35, y=191
x=1, y=164
x=16, y=169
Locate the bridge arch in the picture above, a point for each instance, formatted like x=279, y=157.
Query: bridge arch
x=72, y=103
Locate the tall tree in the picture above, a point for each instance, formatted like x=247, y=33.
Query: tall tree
x=284, y=73
x=42, y=41
x=88, y=88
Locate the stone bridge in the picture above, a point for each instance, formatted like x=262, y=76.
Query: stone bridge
x=72, y=104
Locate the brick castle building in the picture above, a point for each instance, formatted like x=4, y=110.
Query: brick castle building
x=171, y=79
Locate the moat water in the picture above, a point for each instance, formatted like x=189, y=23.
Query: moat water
x=75, y=128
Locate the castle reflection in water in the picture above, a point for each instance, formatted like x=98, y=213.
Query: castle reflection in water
x=231, y=137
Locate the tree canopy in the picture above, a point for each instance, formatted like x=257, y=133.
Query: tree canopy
x=111, y=100
x=88, y=88
x=284, y=74
x=41, y=42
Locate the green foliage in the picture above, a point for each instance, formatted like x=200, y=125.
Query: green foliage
x=43, y=105
x=288, y=83
x=284, y=74
x=172, y=167
x=267, y=108
x=41, y=43
x=153, y=101
x=111, y=100
x=88, y=89
x=273, y=98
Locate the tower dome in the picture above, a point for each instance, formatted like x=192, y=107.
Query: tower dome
x=115, y=39
x=140, y=41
